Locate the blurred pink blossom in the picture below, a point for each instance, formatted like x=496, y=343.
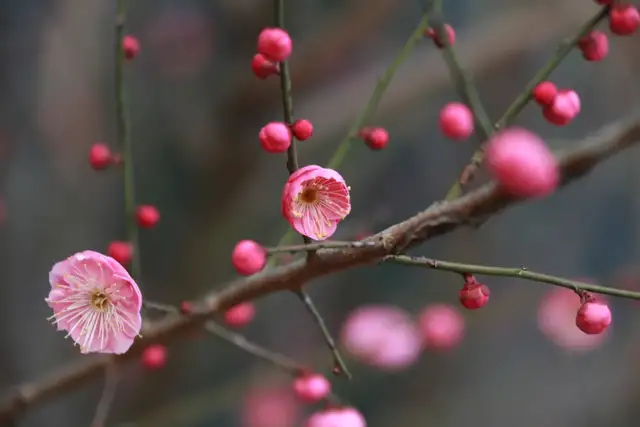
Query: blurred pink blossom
x=337, y=417
x=270, y=406
x=442, y=326
x=381, y=336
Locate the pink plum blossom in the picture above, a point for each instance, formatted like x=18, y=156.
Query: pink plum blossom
x=96, y=301
x=442, y=326
x=270, y=406
x=381, y=336
x=557, y=321
x=315, y=200
x=336, y=417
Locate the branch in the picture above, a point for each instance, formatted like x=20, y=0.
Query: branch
x=434, y=221
x=111, y=379
x=292, y=165
x=525, y=97
x=280, y=361
x=123, y=135
x=518, y=272
x=311, y=247
x=372, y=104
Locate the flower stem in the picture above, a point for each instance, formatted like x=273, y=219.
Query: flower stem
x=372, y=104
x=465, y=87
x=518, y=272
x=292, y=166
x=123, y=136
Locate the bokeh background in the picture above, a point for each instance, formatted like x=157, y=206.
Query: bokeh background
x=196, y=111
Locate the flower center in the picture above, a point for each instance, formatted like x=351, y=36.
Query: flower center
x=100, y=301
x=309, y=195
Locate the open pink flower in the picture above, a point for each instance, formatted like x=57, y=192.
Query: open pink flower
x=315, y=200
x=96, y=301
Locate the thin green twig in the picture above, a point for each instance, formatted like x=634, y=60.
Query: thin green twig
x=518, y=272
x=524, y=98
x=340, y=367
x=123, y=136
x=372, y=104
x=465, y=87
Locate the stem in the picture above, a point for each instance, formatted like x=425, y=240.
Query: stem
x=319, y=245
x=466, y=88
x=372, y=104
x=276, y=359
x=524, y=98
x=111, y=380
x=561, y=53
x=123, y=136
x=518, y=272
x=292, y=166
x=340, y=368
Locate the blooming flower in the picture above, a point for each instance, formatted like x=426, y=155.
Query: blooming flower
x=96, y=301
x=315, y=200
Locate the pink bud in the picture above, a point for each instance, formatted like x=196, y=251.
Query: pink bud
x=594, y=46
x=275, y=137
x=302, y=129
x=262, y=67
x=451, y=35
x=564, y=108
x=240, y=315
x=624, y=19
x=545, y=93
x=275, y=44
x=154, y=357
x=248, y=257
x=456, y=121
x=522, y=164
x=593, y=317
x=311, y=387
x=375, y=138
x=474, y=295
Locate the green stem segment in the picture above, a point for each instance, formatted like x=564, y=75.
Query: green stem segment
x=292, y=166
x=519, y=273
x=123, y=137
x=465, y=87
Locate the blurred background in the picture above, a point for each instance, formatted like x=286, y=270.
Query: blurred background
x=196, y=111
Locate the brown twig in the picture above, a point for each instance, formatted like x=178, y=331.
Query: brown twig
x=111, y=379
x=434, y=221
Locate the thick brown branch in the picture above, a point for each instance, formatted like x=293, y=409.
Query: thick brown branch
x=438, y=219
